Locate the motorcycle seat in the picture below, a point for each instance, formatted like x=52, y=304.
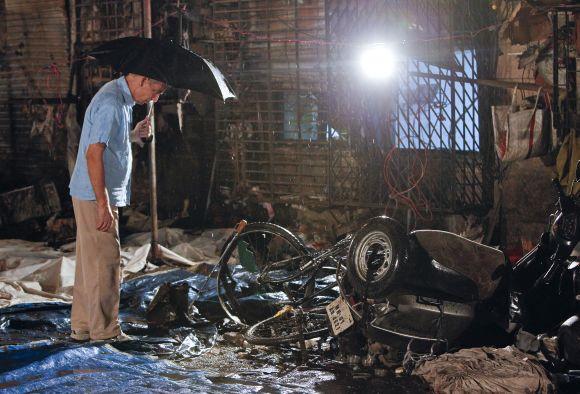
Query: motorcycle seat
x=481, y=265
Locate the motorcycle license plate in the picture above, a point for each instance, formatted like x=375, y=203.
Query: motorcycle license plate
x=339, y=315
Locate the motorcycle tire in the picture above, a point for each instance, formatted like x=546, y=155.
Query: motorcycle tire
x=284, y=329
x=381, y=235
x=267, y=232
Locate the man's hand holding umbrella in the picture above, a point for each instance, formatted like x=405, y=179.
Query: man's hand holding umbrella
x=142, y=131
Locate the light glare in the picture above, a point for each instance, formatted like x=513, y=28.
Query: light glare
x=378, y=62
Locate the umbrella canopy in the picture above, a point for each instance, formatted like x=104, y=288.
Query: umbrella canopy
x=164, y=61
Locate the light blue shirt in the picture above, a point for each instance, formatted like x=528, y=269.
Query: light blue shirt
x=107, y=120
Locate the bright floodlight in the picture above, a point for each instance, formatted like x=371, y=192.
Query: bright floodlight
x=378, y=61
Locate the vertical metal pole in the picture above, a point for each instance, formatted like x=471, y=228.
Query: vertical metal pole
x=300, y=156
x=328, y=129
x=269, y=136
x=152, y=161
x=453, y=136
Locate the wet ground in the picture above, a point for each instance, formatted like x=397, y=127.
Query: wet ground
x=268, y=370
x=225, y=368
x=37, y=355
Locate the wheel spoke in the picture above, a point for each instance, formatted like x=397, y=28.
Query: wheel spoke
x=273, y=251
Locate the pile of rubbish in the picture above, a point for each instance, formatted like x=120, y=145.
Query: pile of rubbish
x=183, y=340
x=337, y=316
x=421, y=303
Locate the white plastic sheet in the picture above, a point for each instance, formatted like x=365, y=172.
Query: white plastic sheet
x=33, y=272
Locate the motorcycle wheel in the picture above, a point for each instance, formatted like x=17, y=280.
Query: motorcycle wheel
x=382, y=244
x=283, y=328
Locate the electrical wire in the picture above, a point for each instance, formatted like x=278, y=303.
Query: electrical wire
x=404, y=196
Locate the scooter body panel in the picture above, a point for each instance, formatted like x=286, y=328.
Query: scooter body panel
x=424, y=319
x=482, y=264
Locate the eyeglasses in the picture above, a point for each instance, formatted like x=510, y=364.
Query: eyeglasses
x=157, y=92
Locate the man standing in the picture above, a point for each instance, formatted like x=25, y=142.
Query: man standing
x=101, y=183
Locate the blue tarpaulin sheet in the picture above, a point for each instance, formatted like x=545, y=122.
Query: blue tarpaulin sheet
x=36, y=353
x=58, y=369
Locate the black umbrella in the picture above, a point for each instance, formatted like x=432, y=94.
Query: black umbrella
x=164, y=61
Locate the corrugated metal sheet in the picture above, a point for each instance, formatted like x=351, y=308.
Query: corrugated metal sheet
x=34, y=77
x=5, y=140
x=37, y=48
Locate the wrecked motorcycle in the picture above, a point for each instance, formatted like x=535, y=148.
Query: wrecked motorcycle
x=431, y=286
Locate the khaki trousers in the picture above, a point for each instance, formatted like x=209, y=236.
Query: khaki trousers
x=95, y=308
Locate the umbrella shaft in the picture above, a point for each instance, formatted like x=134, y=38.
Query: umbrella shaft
x=152, y=160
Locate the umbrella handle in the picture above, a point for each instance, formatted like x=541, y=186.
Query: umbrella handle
x=150, y=105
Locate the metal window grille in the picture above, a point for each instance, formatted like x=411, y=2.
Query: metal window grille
x=307, y=127
x=98, y=21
